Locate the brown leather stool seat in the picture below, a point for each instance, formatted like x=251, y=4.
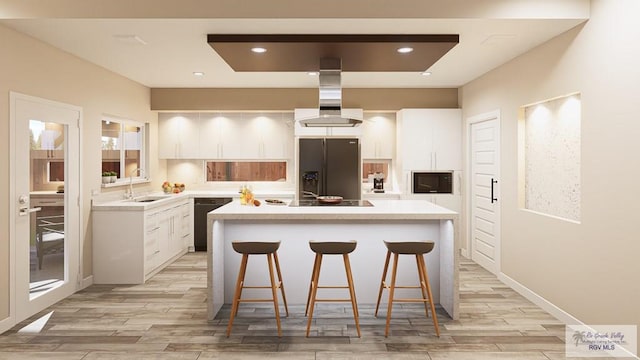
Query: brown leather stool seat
x=268, y=248
x=255, y=247
x=418, y=249
x=322, y=248
x=333, y=247
x=409, y=247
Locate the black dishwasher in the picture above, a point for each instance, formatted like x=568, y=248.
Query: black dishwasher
x=201, y=207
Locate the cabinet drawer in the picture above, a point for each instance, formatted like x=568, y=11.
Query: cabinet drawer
x=151, y=222
x=150, y=262
x=151, y=250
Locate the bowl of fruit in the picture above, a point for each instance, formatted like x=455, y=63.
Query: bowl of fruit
x=167, y=187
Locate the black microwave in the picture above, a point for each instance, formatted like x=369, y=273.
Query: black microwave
x=440, y=182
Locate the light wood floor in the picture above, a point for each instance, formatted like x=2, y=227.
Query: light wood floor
x=166, y=319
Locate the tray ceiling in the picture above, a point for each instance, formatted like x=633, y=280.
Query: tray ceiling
x=358, y=52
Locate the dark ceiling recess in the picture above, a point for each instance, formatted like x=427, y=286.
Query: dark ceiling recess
x=375, y=53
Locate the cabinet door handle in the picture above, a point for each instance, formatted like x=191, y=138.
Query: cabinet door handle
x=408, y=183
x=493, y=199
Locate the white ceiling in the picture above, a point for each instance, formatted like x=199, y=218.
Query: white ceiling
x=175, y=48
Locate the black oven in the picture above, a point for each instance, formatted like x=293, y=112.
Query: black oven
x=432, y=182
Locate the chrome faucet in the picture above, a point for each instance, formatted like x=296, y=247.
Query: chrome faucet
x=130, y=194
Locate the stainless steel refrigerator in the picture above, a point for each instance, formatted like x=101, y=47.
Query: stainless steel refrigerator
x=329, y=166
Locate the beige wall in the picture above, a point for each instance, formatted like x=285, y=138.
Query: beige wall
x=278, y=99
x=31, y=67
x=591, y=269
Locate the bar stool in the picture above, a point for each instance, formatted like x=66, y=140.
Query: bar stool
x=322, y=248
x=417, y=248
x=247, y=248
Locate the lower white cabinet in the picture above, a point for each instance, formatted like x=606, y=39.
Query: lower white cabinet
x=129, y=246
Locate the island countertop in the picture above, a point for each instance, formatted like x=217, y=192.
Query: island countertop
x=381, y=210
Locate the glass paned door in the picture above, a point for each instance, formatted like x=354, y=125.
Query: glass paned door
x=45, y=181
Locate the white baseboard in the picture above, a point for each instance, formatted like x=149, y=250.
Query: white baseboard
x=545, y=304
x=6, y=324
x=86, y=282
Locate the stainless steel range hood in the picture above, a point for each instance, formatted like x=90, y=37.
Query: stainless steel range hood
x=330, y=98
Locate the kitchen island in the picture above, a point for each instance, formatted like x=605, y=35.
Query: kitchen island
x=401, y=220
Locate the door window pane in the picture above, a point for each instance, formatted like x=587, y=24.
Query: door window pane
x=47, y=225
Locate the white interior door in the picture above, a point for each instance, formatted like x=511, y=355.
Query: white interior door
x=45, y=208
x=484, y=195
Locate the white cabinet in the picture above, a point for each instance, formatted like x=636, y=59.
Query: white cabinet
x=151, y=242
x=175, y=230
x=210, y=135
x=429, y=139
x=131, y=245
x=185, y=228
x=178, y=135
x=225, y=136
x=378, y=136
x=270, y=136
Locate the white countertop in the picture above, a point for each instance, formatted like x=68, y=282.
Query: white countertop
x=381, y=210
x=131, y=205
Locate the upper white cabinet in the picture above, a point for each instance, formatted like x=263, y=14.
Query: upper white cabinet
x=178, y=135
x=219, y=135
x=272, y=134
x=228, y=136
x=429, y=139
x=378, y=136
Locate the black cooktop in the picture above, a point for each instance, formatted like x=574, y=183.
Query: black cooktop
x=342, y=203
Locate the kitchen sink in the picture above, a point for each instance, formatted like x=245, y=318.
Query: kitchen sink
x=150, y=198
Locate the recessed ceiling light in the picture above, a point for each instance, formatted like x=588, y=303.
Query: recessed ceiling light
x=198, y=73
x=405, y=50
x=426, y=73
x=312, y=73
x=259, y=50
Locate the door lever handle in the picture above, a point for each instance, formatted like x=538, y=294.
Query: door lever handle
x=493, y=182
x=27, y=211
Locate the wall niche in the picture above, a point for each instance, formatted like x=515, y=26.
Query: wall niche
x=550, y=157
